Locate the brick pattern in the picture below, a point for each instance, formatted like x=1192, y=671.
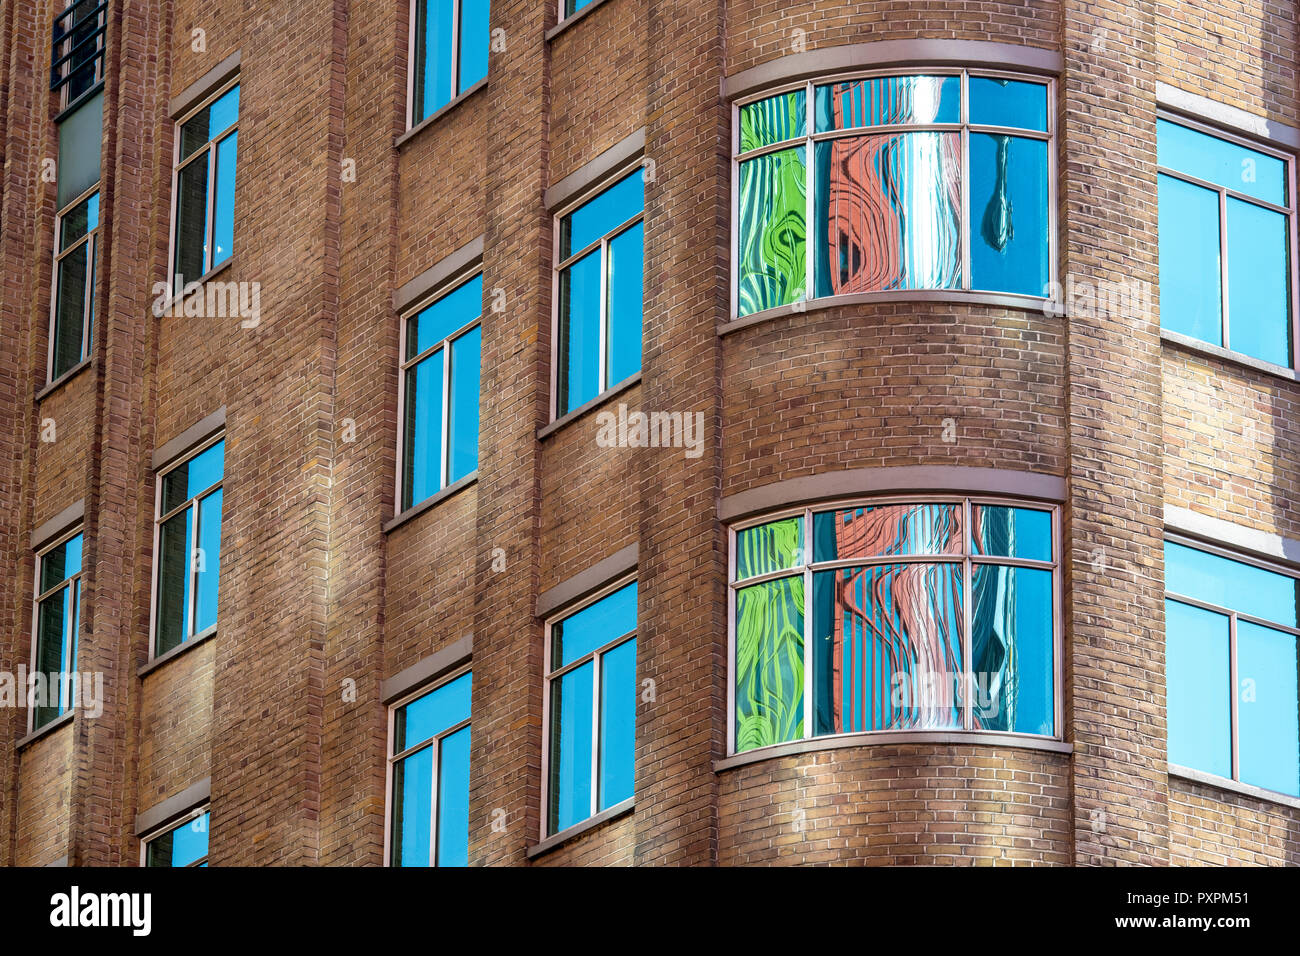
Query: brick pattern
x=44, y=799
x=1211, y=827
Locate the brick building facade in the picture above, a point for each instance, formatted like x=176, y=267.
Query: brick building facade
x=337, y=603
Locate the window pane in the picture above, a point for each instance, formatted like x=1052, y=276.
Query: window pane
x=223, y=213
x=1197, y=685
x=192, y=221
x=889, y=101
x=189, y=841
x=888, y=530
x=59, y=564
x=579, y=345
x=1259, y=288
x=173, y=581
x=453, y=799
x=888, y=648
x=1220, y=162
x=997, y=102
x=773, y=120
x=889, y=213
x=427, y=716
x=1268, y=709
x=1011, y=650
x=81, y=143
x=51, y=619
x=1003, y=532
x=1232, y=584
x=207, y=563
x=598, y=216
x=569, y=800
x=473, y=42
x=617, y=724
x=573, y=6
x=412, y=807
x=422, y=440
x=594, y=626
x=74, y=285
x=772, y=231
x=433, y=52
x=463, y=407
x=78, y=221
x=193, y=476
x=775, y=546
x=1190, y=293
x=769, y=663
x=1009, y=247
x=626, y=265
x=448, y=315
x=210, y=121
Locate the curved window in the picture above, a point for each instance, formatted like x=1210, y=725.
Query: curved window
x=939, y=180
x=890, y=615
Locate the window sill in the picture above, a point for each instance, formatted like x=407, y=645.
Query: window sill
x=176, y=651
x=970, y=738
x=433, y=500
x=53, y=725
x=164, y=311
x=1006, y=300
x=570, y=20
x=439, y=113
x=1179, y=340
x=587, y=406
x=67, y=376
x=578, y=829
x=1233, y=786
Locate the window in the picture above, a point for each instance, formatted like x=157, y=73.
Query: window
x=601, y=262
x=183, y=844
x=1229, y=624
x=440, y=392
x=591, y=709
x=76, y=234
x=188, y=548
x=429, y=770
x=450, y=46
x=206, y=149
x=571, y=7
x=77, y=58
x=936, y=181
x=58, y=625
x=895, y=617
x=1226, y=228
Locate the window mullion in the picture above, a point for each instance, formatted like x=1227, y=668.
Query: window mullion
x=209, y=229
x=596, y=674
x=602, y=339
x=1234, y=716
x=433, y=802
x=444, y=457
x=1223, y=263
x=88, y=303
x=455, y=49
x=190, y=572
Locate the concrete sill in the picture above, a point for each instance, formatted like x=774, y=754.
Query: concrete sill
x=1233, y=786
x=587, y=406
x=1186, y=342
x=177, y=651
x=569, y=21
x=165, y=311
x=439, y=113
x=60, y=721
x=962, y=738
x=454, y=488
x=66, y=377
x=578, y=829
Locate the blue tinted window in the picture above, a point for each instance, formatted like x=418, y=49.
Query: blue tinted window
x=617, y=724
x=463, y=406
x=570, y=750
x=1259, y=290
x=1232, y=584
x=1198, y=688
x=223, y=213
x=1009, y=214
x=412, y=808
x=181, y=846
x=442, y=318
x=59, y=564
x=422, y=447
x=435, y=712
x=1012, y=103
x=579, y=352
x=596, y=217
x=453, y=799
x=1268, y=708
x=224, y=112
x=887, y=101
x=1005, y=532
x=626, y=258
x=434, y=25
x=1191, y=296
x=1220, y=162
x=207, y=563
x=473, y=42
x=174, y=562
x=594, y=626
x=1012, y=650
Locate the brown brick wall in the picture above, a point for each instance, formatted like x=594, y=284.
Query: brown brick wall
x=1212, y=827
x=175, y=720
x=44, y=799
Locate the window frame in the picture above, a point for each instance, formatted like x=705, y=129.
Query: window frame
x=91, y=238
x=209, y=151
x=71, y=642
x=191, y=504
x=1240, y=557
x=443, y=289
x=186, y=818
x=635, y=166
x=411, y=47
x=966, y=560
x=811, y=137
x=551, y=674
x=1293, y=233
x=434, y=742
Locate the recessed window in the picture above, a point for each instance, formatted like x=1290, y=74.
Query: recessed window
x=1233, y=701
x=591, y=709
x=940, y=180
x=429, y=769
x=58, y=625
x=76, y=238
x=440, y=392
x=894, y=616
x=1226, y=225
x=599, y=278
x=207, y=145
x=188, y=561
x=450, y=52
x=77, y=45
x=184, y=844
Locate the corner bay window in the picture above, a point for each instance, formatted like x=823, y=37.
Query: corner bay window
x=58, y=624
x=939, y=180
x=1233, y=695
x=188, y=556
x=892, y=616
x=206, y=150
